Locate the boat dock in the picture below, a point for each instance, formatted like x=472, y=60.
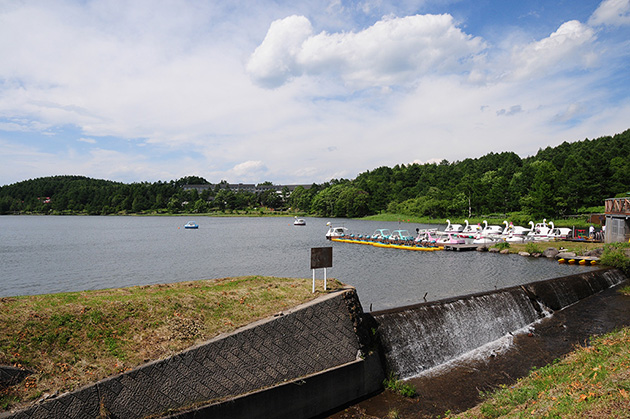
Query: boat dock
x=461, y=247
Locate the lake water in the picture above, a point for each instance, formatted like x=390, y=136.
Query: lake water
x=50, y=254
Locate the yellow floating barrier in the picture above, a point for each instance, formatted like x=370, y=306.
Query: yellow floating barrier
x=387, y=245
x=561, y=260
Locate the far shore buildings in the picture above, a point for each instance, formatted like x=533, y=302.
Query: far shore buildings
x=245, y=187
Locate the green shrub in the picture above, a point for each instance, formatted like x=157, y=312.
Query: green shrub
x=615, y=255
x=532, y=248
x=394, y=384
x=502, y=245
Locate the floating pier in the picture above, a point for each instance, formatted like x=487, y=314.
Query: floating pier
x=461, y=247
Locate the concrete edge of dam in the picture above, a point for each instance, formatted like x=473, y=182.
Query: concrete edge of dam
x=418, y=337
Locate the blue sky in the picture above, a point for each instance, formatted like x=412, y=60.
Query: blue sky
x=300, y=92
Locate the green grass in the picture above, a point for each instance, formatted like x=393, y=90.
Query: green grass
x=72, y=339
x=392, y=383
x=591, y=382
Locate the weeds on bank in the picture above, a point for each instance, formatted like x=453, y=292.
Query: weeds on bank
x=393, y=383
x=616, y=255
x=593, y=382
x=72, y=339
x=502, y=245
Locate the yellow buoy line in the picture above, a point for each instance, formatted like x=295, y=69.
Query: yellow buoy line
x=578, y=260
x=420, y=248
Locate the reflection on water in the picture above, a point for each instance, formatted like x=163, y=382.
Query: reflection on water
x=42, y=254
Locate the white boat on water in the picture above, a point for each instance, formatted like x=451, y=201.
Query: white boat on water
x=401, y=235
x=489, y=235
x=560, y=233
x=469, y=232
x=454, y=228
x=520, y=234
x=381, y=233
x=191, y=224
x=542, y=230
x=334, y=232
x=299, y=221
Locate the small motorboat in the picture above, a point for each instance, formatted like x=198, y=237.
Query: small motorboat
x=191, y=224
x=299, y=221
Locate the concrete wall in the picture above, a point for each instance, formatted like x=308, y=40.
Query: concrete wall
x=322, y=336
x=416, y=338
x=617, y=228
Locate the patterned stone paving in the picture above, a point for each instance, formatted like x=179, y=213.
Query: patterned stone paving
x=314, y=338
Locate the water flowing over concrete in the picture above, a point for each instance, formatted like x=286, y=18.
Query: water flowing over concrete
x=417, y=338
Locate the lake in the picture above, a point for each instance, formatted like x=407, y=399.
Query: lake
x=50, y=254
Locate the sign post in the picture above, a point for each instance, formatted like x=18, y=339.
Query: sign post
x=321, y=257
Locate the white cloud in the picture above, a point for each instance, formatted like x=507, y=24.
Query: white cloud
x=164, y=89
x=571, y=46
x=273, y=62
x=612, y=13
x=249, y=169
x=392, y=51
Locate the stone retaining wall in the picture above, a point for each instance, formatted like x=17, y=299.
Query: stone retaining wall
x=308, y=339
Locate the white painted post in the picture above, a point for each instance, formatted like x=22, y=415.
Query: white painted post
x=313, y=281
x=324, y=279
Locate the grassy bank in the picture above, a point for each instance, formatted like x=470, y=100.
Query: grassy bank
x=72, y=339
x=591, y=382
x=578, y=247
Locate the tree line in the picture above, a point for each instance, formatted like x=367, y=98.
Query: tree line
x=558, y=181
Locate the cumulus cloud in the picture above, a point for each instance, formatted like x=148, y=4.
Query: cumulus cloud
x=390, y=52
x=273, y=62
x=570, y=46
x=611, y=13
x=249, y=169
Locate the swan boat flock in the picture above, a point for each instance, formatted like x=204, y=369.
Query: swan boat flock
x=453, y=234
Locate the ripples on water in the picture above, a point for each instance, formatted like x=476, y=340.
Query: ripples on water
x=49, y=254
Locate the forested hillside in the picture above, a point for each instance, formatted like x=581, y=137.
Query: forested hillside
x=556, y=182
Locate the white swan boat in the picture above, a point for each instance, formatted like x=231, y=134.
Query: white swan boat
x=542, y=230
x=454, y=228
x=520, y=234
x=490, y=234
x=336, y=232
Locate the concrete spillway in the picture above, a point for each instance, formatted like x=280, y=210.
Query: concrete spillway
x=419, y=337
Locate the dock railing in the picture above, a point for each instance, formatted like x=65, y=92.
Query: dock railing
x=620, y=206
